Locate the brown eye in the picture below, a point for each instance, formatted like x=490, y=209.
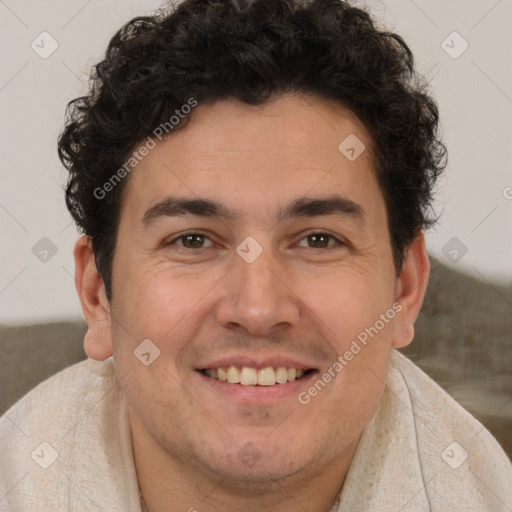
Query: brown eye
x=320, y=241
x=191, y=241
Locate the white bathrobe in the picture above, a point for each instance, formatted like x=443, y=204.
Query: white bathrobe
x=66, y=446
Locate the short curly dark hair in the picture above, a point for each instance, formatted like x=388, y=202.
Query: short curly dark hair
x=252, y=50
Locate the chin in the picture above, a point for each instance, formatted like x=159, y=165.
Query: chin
x=265, y=475
x=260, y=464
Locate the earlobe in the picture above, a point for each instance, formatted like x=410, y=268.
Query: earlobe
x=91, y=291
x=411, y=289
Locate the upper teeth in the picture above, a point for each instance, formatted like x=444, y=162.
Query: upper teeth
x=252, y=376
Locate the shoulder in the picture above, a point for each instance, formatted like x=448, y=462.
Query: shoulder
x=53, y=409
x=67, y=433
x=72, y=389
x=458, y=455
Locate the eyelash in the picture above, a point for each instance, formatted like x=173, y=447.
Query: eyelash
x=338, y=243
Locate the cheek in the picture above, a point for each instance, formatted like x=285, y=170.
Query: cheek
x=153, y=323
x=346, y=302
x=156, y=398
x=348, y=309
x=156, y=301
x=166, y=308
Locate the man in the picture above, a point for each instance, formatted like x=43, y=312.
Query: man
x=252, y=180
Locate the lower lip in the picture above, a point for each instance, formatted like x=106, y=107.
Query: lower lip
x=257, y=395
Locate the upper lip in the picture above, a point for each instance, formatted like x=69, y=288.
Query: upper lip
x=257, y=362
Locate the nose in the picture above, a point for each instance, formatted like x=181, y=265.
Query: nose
x=257, y=299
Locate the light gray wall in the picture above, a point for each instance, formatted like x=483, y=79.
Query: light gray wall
x=474, y=92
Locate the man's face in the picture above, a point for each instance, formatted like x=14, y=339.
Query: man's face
x=212, y=300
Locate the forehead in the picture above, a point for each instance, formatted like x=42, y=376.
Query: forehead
x=265, y=154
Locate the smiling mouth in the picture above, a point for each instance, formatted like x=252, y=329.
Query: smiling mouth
x=247, y=376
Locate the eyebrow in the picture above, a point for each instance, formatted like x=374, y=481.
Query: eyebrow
x=303, y=207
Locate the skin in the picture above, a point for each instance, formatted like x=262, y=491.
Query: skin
x=296, y=300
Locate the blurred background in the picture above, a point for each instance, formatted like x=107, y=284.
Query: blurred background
x=464, y=337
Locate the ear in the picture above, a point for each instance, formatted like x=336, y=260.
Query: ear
x=96, y=308
x=410, y=290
